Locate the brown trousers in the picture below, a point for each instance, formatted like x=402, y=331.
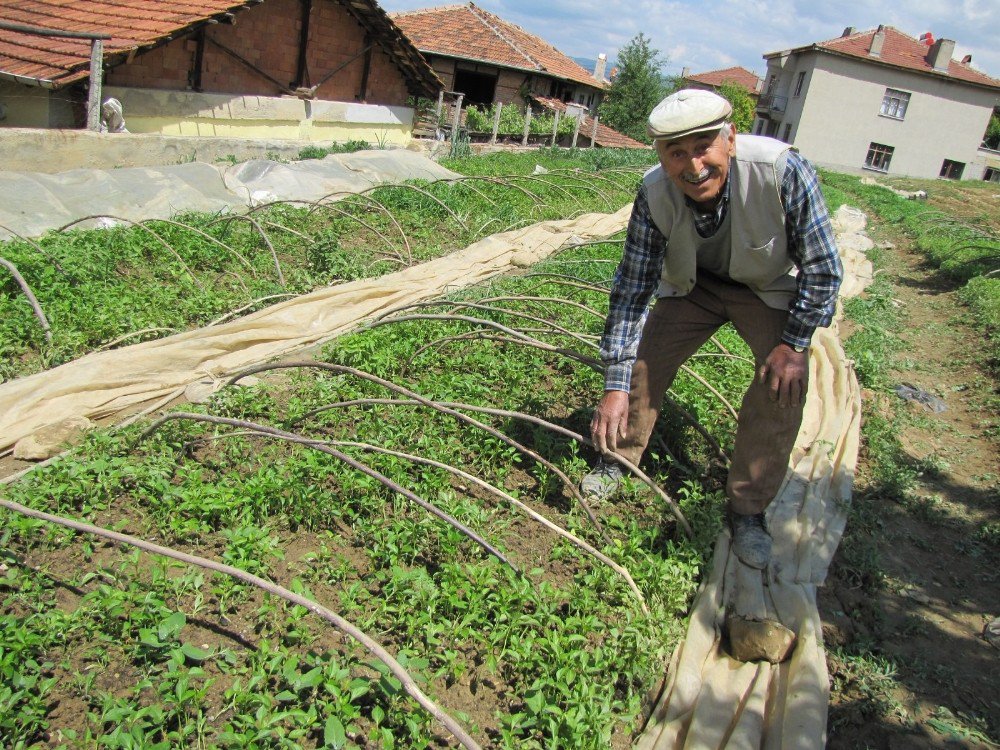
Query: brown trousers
x=675, y=329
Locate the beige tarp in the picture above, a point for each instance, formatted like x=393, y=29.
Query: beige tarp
x=712, y=701
x=109, y=383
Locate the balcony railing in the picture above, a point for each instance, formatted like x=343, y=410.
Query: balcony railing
x=772, y=102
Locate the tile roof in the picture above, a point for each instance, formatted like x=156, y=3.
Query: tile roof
x=471, y=33
x=136, y=24
x=898, y=49
x=606, y=137
x=737, y=75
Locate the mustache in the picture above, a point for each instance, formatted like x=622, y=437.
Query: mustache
x=703, y=174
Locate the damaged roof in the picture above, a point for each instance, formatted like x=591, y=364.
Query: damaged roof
x=136, y=25
x=470, y=33
x=898, y=50
x=606, y=137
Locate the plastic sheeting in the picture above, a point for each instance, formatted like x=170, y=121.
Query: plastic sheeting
x=713, y=701
x=32, y=203
x=109, y=383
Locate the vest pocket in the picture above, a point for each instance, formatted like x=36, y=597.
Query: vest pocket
x=764, y=251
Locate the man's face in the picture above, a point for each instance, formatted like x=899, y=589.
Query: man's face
x=698, y=163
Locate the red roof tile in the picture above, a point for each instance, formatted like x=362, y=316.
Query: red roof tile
x=471, y=33
x=739, y=76
x=606, y=137
x=134, y=24
x=898, y=49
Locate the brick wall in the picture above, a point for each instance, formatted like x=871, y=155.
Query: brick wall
x=267, y=36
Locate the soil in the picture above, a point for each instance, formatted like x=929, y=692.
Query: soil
x=921, y=615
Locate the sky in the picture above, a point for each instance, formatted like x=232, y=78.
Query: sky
x=706, y=35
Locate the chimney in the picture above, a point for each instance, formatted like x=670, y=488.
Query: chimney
x=878, y=39
x=685, y=72
x=939, y=54
x=602, y=61
x=849, y=31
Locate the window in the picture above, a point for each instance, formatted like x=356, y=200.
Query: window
x=992, y=174
x=894, y=103
x=798, y=83
x=952, y=170
x=760, y=127
x=788, y=132
x=878, y=157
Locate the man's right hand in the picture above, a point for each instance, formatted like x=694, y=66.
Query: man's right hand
x=610, y=421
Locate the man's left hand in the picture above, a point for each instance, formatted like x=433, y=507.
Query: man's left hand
x=786, y=374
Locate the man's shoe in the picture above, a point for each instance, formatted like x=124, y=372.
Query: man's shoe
x=602, y=480
x=751, y=542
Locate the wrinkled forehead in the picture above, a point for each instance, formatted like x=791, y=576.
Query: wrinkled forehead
x=687, y=140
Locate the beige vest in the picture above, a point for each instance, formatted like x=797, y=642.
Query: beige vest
x=756, y=223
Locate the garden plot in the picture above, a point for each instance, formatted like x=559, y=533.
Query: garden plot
x=75, y=291
x=524, y=634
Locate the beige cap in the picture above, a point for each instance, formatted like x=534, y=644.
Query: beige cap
x=688, y=111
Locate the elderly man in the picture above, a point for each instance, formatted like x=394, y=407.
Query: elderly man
x=725, y=229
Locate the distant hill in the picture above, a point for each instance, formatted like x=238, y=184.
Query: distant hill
x=589, y=63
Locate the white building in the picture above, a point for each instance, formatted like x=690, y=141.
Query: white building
x=882, y=101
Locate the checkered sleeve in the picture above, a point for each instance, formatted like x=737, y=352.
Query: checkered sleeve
x=813, y=249
x=635, y=281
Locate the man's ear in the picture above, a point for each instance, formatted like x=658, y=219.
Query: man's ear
x=732, y=142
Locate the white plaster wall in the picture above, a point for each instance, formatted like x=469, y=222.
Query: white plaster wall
x=839, y=118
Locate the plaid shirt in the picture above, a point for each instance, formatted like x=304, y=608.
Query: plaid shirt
x=811, y=247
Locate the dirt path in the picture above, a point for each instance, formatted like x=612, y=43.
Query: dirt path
x=918, y=574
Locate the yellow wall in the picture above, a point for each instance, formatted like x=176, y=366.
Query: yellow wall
x=307, y=130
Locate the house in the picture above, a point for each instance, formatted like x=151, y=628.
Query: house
x=490, y=60
x=882, y=101
x=296, y=69
x=713, y=80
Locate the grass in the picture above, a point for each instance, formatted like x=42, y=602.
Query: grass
x=965, y=248
x=149, y=653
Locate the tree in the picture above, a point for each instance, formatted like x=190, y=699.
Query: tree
x=992, y=138
x=744, y=109
x=636, y=89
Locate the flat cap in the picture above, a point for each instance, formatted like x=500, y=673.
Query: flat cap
x=688, y=111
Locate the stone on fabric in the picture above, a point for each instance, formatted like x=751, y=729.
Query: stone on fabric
x=52, y=439
x=759, y=640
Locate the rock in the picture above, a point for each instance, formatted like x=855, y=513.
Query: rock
x=523, y=259
x=759, y=640
x=52, y=439
x=200, y=392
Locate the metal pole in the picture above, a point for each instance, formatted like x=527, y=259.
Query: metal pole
x=593, y=134
x=555, y=129
x=576, y=129
x=458, y=117
x=527, y=126
x=94, y=91
x=496, y=123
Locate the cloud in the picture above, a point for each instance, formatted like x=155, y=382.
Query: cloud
x=710, y=34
